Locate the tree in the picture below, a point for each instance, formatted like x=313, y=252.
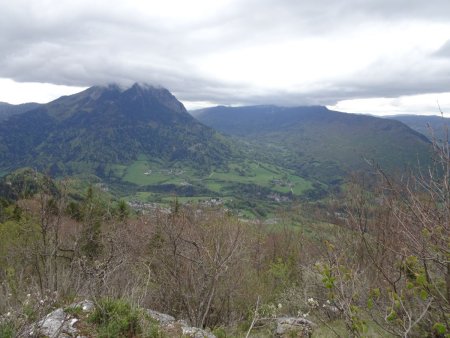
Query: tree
x=196, y=261
x=404, y=228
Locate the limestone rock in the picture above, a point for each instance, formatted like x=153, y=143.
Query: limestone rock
x=85, y=305
x=62, y=324
x=288, y=326
x=57, y=324
x=172, y=326
x=195, y=332
x=161, y=318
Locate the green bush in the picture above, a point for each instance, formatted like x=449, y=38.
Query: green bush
x=220, y=332
x=7, y=330
x=154, y=331
x=115, y=318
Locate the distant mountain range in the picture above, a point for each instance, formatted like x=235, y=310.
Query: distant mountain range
x=431, y=126
x=7, y=110
x=142, y=136
x=320, y=142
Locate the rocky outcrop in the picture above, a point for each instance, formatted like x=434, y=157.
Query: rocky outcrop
x=59, y=323
x=62, y=323
x=195, y=332
x=161, y=318
x=293, y=327
x=178, y=327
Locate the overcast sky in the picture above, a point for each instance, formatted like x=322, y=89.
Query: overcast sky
x=368, y=56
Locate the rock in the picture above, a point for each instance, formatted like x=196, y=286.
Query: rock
x=56, y=324
x=161, y=318
x=287, y=326
x=62, y=324
x=59, y=323
x=172, y=326
x=182, y=322
x=85, y=305
x=195, y=332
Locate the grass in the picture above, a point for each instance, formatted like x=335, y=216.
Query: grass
x=323, y=330
x=7, y=330
x=261, y=174
x=256, y=187
x=215, y=186
x=115, y=318
x=219, y=182
x=142, y=172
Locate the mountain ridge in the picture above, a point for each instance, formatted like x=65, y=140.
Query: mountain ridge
x=432, y=126
x=107, y=125
x=7, y=109
x=142, y=136
x=314, y=138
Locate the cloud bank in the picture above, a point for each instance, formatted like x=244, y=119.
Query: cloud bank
x=233, y=51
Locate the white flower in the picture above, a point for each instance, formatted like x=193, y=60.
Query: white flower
x=8, y=314
x=280, y=305
x=312, y=302
x=328, y=301
x=29, y=295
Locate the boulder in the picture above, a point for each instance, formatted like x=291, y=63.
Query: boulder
x=85, y=305
x=57, y=324
x=293, y=327
x=195, y=332
x=61, y=323
x=161, y=318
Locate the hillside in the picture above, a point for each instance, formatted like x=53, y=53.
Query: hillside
x=142, y=144
x=423, y=123
x=7, y=110
x=101, y=126
x=319, y=142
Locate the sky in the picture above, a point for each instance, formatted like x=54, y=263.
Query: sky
x=365, y=56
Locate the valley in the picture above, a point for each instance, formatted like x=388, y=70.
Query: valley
x=224, y=169
x=143, y=145
x=300, y=208
x=218, y=181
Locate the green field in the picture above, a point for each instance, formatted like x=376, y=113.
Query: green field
x=144, y=172
x=261, y=174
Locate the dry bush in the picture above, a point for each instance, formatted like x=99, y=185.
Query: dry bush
x=198, y=261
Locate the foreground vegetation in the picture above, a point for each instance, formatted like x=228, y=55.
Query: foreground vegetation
x=374, y=262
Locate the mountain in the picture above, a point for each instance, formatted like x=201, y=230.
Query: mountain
x=7, y=110
x=319, y=142
x=107, y=125
x=142, y=143
x=430, y=126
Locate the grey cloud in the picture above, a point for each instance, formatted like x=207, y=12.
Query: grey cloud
x=444, y=51
x=85, y=43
